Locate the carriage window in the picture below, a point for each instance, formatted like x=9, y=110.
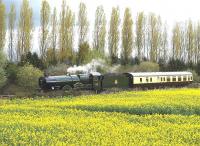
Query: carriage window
x=140, y=80
x=174, y=79
x=184, y=79
x=168, y=79
x=191, y=78
x=147, y=80
x=150, y=79
x=161, y=79
x=179, y=79
x=164, y=79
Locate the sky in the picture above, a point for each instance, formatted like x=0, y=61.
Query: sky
x=171, y=11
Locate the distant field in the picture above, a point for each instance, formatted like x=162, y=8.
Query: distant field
x=159, y=117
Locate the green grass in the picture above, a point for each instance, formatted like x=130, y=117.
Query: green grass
x=160, y=117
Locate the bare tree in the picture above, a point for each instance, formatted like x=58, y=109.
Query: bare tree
x=190, y=41
x=2, y=25
x=67, y=19
x=54, y=33
x=140, y=34
x=127, y=36
x=44, y=20
x=154, y=36
x=11, y=27
x=113, y=38
x=99, y=30
x=83, y=23
x=197, y=40
x=164, y=47
x=176, y=41
x=25, y=28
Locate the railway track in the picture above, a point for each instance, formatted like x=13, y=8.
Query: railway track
x=7, y=96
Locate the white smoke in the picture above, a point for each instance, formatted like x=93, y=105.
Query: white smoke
x=93, y=67
x=90, y=67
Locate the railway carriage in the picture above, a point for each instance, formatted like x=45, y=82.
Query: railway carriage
x=115, y=80
x=160, y=79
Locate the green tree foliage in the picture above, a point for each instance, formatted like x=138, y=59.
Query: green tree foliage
x=127, y=37
x=50, y=57
x=32, y=59
x=25, y=28
x=83, y=53
x=2, y=25
x=198, y=68
x=11, y=71
x=3, y=77
x=148, y=67
x=113, y=36
x=27, y=77
x=3, y=59
x=176, y=65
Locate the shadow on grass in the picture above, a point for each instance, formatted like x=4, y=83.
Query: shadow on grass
x=143, y=110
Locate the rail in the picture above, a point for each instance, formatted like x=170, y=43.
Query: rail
x=7, y=96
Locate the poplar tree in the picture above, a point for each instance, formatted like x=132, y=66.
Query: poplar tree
x=190, y=41
x=113, y=37
x=127, y=36
x=154, y=37
x=54, y=34
x=140, y=34
x=44, y=30
x=69, y=32
x=164, y=47
x=11, y=27
x=83, y=24
x=197, y=43
x=66, y=33
x=62, y=30
x=2, y=25
x=176, y=42
x=25, y=28
x=99, y=30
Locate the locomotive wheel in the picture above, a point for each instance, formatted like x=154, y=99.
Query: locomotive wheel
x=78, y=86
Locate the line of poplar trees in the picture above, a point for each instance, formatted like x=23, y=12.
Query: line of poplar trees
x=145, y=37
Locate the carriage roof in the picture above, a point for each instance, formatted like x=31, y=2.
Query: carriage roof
x=146, y=74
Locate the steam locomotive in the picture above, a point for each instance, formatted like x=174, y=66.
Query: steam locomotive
x=98, y=82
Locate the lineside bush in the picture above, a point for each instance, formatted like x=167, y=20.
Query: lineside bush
x=27, y=77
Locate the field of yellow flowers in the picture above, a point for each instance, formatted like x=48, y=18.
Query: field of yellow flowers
x=158, y=117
